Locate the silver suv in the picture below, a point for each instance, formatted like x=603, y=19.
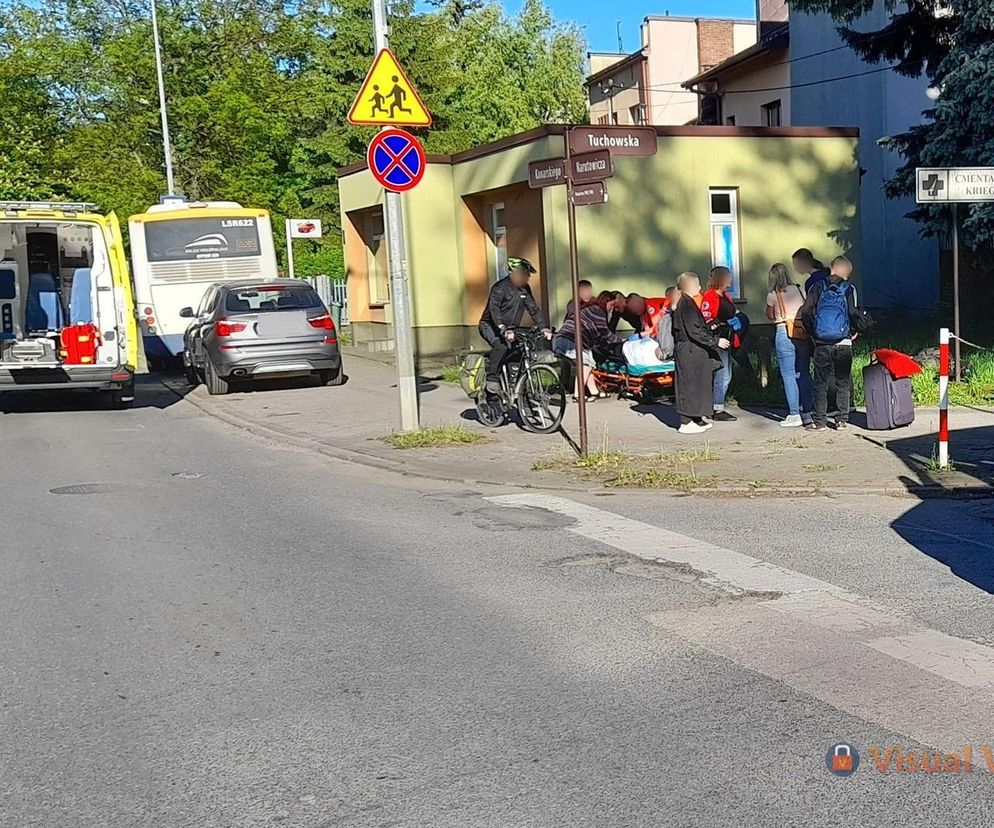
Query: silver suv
x=249, y=330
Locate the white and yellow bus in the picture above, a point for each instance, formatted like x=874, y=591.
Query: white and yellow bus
x=178, y=248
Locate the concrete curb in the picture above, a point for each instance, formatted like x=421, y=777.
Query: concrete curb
x=357, y=456
x=404, y=467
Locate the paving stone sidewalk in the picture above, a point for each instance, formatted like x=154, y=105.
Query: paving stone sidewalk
x=752, y=456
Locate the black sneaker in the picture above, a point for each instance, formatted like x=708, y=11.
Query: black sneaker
x=841, y=425
x=723, y=417
x=816, y=427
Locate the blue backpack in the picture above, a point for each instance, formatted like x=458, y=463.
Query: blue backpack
x=832, y=313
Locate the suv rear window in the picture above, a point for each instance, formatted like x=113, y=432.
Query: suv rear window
x=266, y=298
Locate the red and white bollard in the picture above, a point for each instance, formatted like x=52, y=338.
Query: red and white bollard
x=943, y=398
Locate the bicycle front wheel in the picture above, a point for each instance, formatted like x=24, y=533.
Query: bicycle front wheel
x=541, y=399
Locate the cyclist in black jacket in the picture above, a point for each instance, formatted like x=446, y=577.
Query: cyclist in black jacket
x=509, y=299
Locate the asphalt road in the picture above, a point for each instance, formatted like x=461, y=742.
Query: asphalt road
x=200, y=628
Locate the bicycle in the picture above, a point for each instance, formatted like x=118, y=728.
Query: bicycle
x=528, y=383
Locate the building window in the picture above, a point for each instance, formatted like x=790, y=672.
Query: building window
x=498, y=235
x=602, y=120
x=724, y=209
x=772, y=114
x=637, y=113
x=379, y=271
x=730, y=120
x=614, y=117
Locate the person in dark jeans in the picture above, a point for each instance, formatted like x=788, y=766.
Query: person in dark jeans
x=506, y=306
x=828, y=312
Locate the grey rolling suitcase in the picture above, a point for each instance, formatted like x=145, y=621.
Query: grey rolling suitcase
x=888, y=400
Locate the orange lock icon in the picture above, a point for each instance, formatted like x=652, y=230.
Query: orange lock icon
x=842, y=758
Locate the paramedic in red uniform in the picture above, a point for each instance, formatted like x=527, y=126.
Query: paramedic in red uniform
x=717, y=306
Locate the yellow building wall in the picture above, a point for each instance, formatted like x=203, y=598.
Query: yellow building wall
x=793, y=192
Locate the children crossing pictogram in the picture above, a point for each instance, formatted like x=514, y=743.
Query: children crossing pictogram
x=387, y=97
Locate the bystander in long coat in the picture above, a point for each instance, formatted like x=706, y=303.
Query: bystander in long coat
x=696, y=357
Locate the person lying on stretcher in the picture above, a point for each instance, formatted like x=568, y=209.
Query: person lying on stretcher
x=654, y=345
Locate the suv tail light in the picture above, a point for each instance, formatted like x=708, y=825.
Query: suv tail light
x=225, y=328
x=325, y=322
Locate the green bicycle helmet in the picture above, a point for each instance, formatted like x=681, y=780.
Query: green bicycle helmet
x=516, y=263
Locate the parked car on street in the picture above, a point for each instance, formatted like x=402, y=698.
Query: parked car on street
x=253, y=329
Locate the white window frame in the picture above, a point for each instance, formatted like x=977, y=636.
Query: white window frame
x=730, y=219
x=498, y=233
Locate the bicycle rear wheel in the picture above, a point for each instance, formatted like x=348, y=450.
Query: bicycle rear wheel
x=541, y=399
x=490, y=413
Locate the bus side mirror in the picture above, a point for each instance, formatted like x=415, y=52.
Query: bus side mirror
x=186, y=313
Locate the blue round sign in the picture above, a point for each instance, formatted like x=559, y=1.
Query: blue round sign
x=396, y=160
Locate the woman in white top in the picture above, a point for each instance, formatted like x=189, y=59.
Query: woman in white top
x=793, y=345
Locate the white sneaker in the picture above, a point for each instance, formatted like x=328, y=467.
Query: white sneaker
x=693, y=428
x=791, y=421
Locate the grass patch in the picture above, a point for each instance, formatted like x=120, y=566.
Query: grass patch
x=976, y=388
x=933, y=467
x=822, y=467
x=451, y=373
x=345, y=336
x=621, y=469
x=435, y=437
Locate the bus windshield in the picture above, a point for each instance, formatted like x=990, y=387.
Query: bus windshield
x=196, y=239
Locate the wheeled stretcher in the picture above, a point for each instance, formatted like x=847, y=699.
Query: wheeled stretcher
x=644, y=383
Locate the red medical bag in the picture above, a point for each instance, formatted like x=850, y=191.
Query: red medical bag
x=79, y=344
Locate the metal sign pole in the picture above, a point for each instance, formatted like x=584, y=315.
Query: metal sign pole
x=289, y=251
x=167, y=149
x=574, y=270
x=956, y=287
x=407, y=380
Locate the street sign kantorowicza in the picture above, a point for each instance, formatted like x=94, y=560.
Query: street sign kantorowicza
x=387, y=97
x=396, y=160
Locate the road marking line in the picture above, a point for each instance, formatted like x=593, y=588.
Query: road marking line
x=723, y=568
x=964, y=662
x=810, y=634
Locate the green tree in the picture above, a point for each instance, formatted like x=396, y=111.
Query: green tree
x=959, y=131
x=257, y=94
x=917, y=36
x=951, y=44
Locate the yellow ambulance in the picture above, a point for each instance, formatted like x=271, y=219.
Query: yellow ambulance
x=67, y=314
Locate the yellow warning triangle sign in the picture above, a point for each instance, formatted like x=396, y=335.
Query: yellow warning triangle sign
x=387, y=97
